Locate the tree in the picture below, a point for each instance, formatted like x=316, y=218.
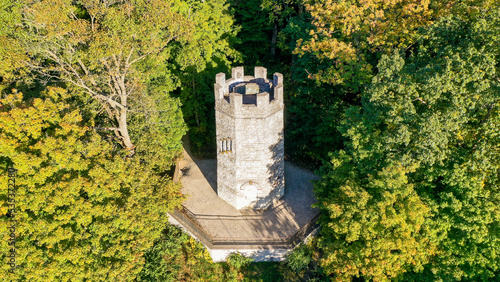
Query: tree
x=82, y=211
x=176, y=256
x=458, y=78
x=255, y=35
x=208, y=51
x=313, y=114
x=347, y=35
x=373, y=222
x=423, y=146
x=97, y=46
x=301, y=263
x=11, y=53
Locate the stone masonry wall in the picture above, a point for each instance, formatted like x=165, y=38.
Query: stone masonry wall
x=249, y=122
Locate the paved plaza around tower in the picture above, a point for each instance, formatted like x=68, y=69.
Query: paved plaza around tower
x=225, y=227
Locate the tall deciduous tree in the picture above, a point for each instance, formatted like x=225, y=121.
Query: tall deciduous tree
x=11, y=53
x=422, y=154
x=374, y=222
x=347, y=34
x=256, y=31
x=82, y=213
x=208, y=52
x=97, y=47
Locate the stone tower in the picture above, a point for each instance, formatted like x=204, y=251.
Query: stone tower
x=250, y=151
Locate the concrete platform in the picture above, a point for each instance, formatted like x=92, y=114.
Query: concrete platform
x=264, y=235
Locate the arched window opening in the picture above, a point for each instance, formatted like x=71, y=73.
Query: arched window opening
x=226, y=145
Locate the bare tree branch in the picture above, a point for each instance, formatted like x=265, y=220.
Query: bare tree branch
x=104, y=128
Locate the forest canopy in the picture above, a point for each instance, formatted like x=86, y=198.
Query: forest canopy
x=394, y=104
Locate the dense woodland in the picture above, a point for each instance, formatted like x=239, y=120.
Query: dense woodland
x=394, y=104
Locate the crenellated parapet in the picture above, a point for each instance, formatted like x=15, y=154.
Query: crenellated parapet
x=248, y=96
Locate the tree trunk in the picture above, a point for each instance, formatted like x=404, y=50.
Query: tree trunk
x=121, y=117
x=273, y=40
x=123, y=129
x=195, y=108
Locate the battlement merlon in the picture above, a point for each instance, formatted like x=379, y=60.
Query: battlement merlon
x=278, y=87
x=223, y=87
x=260, y=72
x=236, y=100
x=238, y=74
x=263, y=99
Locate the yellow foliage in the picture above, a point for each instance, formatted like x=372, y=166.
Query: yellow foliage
x=80, y=208
x=346, y=30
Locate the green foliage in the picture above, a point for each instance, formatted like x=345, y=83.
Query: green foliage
x=11, y=53
x=373, y=220
x=301, y=264
x=312, y=116
x=83, y=212
x=262, y=36
x=207, y=52
x=338, y=45
x=157, y=130
x=236, y=263
x=256, y=31
x=107, y=53
x=299, y=258
x=209, y=44
x=264, y=271
x=347, y=34
x=198, y=108
x=178, y=257
x=462, y=173
x=416, y=188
